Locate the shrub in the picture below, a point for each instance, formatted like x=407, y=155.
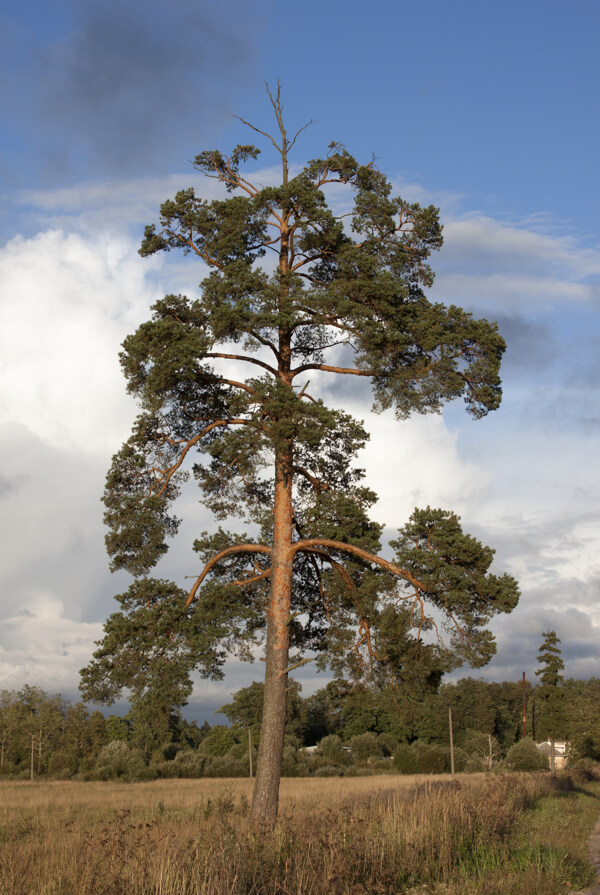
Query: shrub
x=220, y=740
x=382, y=765
x=329, y=771
x=63, y=765
x=117, y=759
x=432, y=759
x=525, y=756
x=365, y=746
x=224, y=766
x=388, y=743
x=187, y=763
x=331, y=748
x=405, y=759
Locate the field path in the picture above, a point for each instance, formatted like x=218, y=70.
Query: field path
x=594, y=855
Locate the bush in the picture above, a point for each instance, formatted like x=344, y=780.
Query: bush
x=117, y=759
x=63, y=765
x=388, y=743
x=382, y=765
x=329, y=771
x=331, y=748
x=525, y=756
x=365, y=746
x=358, y=770
x=289, y=763
x=224, y=766
x=432, y=759
x=424, y=758
x=166, y=752
x=405, y=759
x=187, y=763
x=220, y=740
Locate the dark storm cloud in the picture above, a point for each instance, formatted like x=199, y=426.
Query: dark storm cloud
x=529, y=343
x=135, y=87
x=518, y=645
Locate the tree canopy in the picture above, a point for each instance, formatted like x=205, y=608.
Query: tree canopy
x=552, y=718
x=293, y=291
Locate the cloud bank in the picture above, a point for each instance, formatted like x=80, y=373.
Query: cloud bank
x=524, y=480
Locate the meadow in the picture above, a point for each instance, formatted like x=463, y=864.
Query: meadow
x=494, y=835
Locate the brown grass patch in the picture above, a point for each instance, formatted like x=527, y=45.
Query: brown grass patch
x=335, y=836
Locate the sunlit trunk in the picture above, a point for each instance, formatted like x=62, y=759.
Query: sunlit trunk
x=268, y=773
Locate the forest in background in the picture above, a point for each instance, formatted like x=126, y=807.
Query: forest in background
x=357, y=730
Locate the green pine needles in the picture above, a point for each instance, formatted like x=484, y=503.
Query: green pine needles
x=345, y=299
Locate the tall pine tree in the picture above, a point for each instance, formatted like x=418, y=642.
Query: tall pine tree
x=552, y=717
x=345, y=299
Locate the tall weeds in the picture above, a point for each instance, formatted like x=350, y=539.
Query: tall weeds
x=437, y=836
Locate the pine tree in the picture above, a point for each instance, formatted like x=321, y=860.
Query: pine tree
x=345, y=300
x=552, y=719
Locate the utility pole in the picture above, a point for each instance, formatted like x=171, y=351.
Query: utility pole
x=451, y=741
x=524, y=708
x=250, y=749
x=31, y=763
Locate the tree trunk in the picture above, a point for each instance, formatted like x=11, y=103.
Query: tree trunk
x=268, y=772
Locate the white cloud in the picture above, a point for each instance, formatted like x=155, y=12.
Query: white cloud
x=42, y=645
x=68, y=303
x=485, y=262
x=416, y=463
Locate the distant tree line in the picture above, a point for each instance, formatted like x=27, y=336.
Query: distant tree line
x=357, y=729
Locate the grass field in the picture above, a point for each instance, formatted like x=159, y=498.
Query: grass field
x=382, y=835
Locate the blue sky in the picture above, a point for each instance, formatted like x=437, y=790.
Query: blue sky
x=487, y=110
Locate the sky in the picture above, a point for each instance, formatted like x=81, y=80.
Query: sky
x=487, y=110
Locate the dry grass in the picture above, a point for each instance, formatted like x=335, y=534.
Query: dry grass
x=335, y=837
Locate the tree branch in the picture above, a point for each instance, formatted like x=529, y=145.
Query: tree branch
x=266, y=342
x=243, y=357
x=167, y=475
x=209, y=377
x=338, y=567
x=318, y=484
x=362, y=554
x=326, y=368
x=242, y=582
x=228, y=551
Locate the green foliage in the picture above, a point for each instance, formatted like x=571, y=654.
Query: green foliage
x=481, y=748
x=582, y=701
x=117, y=759
x=365, y=746
x=427, y=758
x=551, y=715
x=525, y=756
x=453, y=567
x=246, y=708
x=332, y=749
x=346, y=298
x=406, y=760
x=551, y=663
x=220, y=740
